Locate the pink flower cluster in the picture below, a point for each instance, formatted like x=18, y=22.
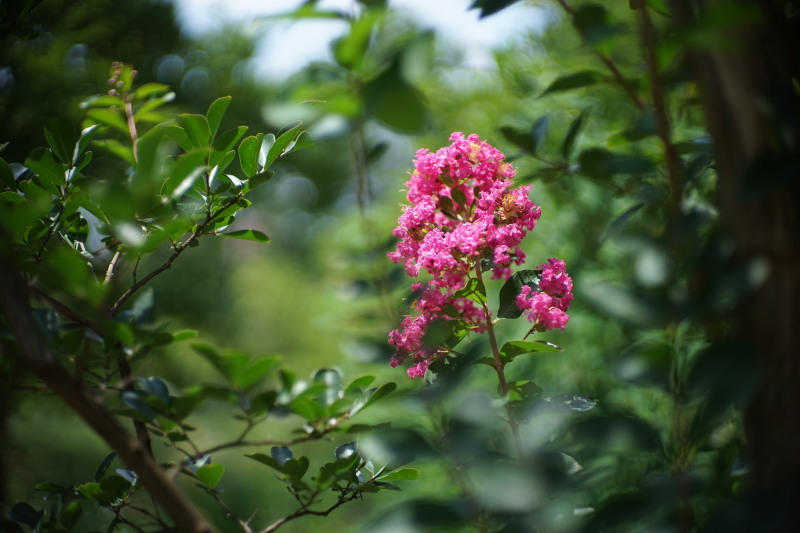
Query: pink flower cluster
x=547, y=307
x=462, y=211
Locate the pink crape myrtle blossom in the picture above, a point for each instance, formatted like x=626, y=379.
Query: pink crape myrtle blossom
x=462, y=212
x=547, y=307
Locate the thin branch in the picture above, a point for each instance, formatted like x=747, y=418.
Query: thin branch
x=168, y=263
x=111, y=266
x=609, y=63
x=305, y=511
x=498, y=367
x=673, y=160
x=34, y=353
x=66, y=311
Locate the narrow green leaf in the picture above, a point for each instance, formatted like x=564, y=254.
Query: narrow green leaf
x=572, y=135
x=197, y=129
x=512, y=349
x=281, y=145
x=247, y=235
x=226, y=141
x=380, y=392
x=210, y=474
x=50, y=171
x=103, y=466
x=576, y=80
x=215, y=113
x=403, y=473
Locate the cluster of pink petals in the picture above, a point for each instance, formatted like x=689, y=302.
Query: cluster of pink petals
x=462, y=210
x=547, y=307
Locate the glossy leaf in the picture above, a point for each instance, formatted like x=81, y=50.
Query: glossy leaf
x=512, y=349
x=103, y=466
x=281, y=454
x=110, y=118
x=197, y=129
x=248, y=154
x=571, y=403
x=511, y=288
x=247, y=235
x=226, y=141
x=215, y=113
x=409, y=474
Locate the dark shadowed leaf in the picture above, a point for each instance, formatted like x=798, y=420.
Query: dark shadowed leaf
x=572, y=135
x=509, y=291
x=576, y=80
x=490, y=7
x=247, y=235
x=61, y=137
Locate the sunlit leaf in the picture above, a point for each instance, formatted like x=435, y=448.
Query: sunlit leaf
x=211, y=474
x=215, y=113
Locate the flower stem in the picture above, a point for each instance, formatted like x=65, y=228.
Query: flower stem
x=499, y=369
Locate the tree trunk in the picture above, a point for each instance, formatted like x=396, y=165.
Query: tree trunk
x=752, y=108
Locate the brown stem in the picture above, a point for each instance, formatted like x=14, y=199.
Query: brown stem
x=660, y=104
x=499, y=369
x=132, y=127
x=609, y=63
x=168, y=263
x=66, y=311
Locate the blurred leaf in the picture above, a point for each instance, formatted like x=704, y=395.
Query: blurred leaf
x=247, y=235
x=393, y=447
x=601, y=164
x=394, y=102
x=618, y=223
x=103, y=466
x=215, y=113
x=571, y=403
x=210, y=474
x=144, y=307
x=197, y=129
x=134, y=400
x=281, y=454
x=156, y=387
x=512, y=349
x=626, y=303
x=594, y=23
x=350, y=49
x=51, y=172
x=7, y=526
x=572, y=135
x=7, y=176
x=110, y=118
x=25, y=514
x=61, y=137
x=511, y=288
x=490, y=7
x=403, y=473
x=576, y=80
x=228, y=140
x=70, y=514
x=345, y=451
x=265, y=459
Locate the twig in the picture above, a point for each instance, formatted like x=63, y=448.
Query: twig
x=673, y=160
x=168, y=263
x=498, y=367
x=34, y=353
x=111, y=266
x=66, y=311
x=609, y=63
x=305, y=511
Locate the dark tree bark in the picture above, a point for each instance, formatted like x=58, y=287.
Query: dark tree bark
x=751, y=105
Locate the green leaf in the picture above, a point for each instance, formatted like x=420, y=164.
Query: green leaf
x=593, y=22
x=380, y=392
x=215, y=113
x=228, y=140
x=210, y=474
x=50, y=171
x=512, y=349
x=7, y=176
x=358, y=384
x=572, y=135
x=61, y=137
x=103, y=466
x=70, y=514
x=247, y=235
x=266, y=460
x=103, y=100
x=509, y=291
x=404, y=473
x=92, y=491
x=307, y=409
x=110, y=118
x=150, y=89
x=48, y=487
x=197, y=129
x=601, y=164
x=117, y=148
x=248, y=154
x=281, y=454
x=282, y=144
x=473, y=290
x=576, y=80
x=394, y=102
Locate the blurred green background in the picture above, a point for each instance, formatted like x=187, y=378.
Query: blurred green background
x=322, y=292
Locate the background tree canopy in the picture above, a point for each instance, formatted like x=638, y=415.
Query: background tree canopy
x=152, y=343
